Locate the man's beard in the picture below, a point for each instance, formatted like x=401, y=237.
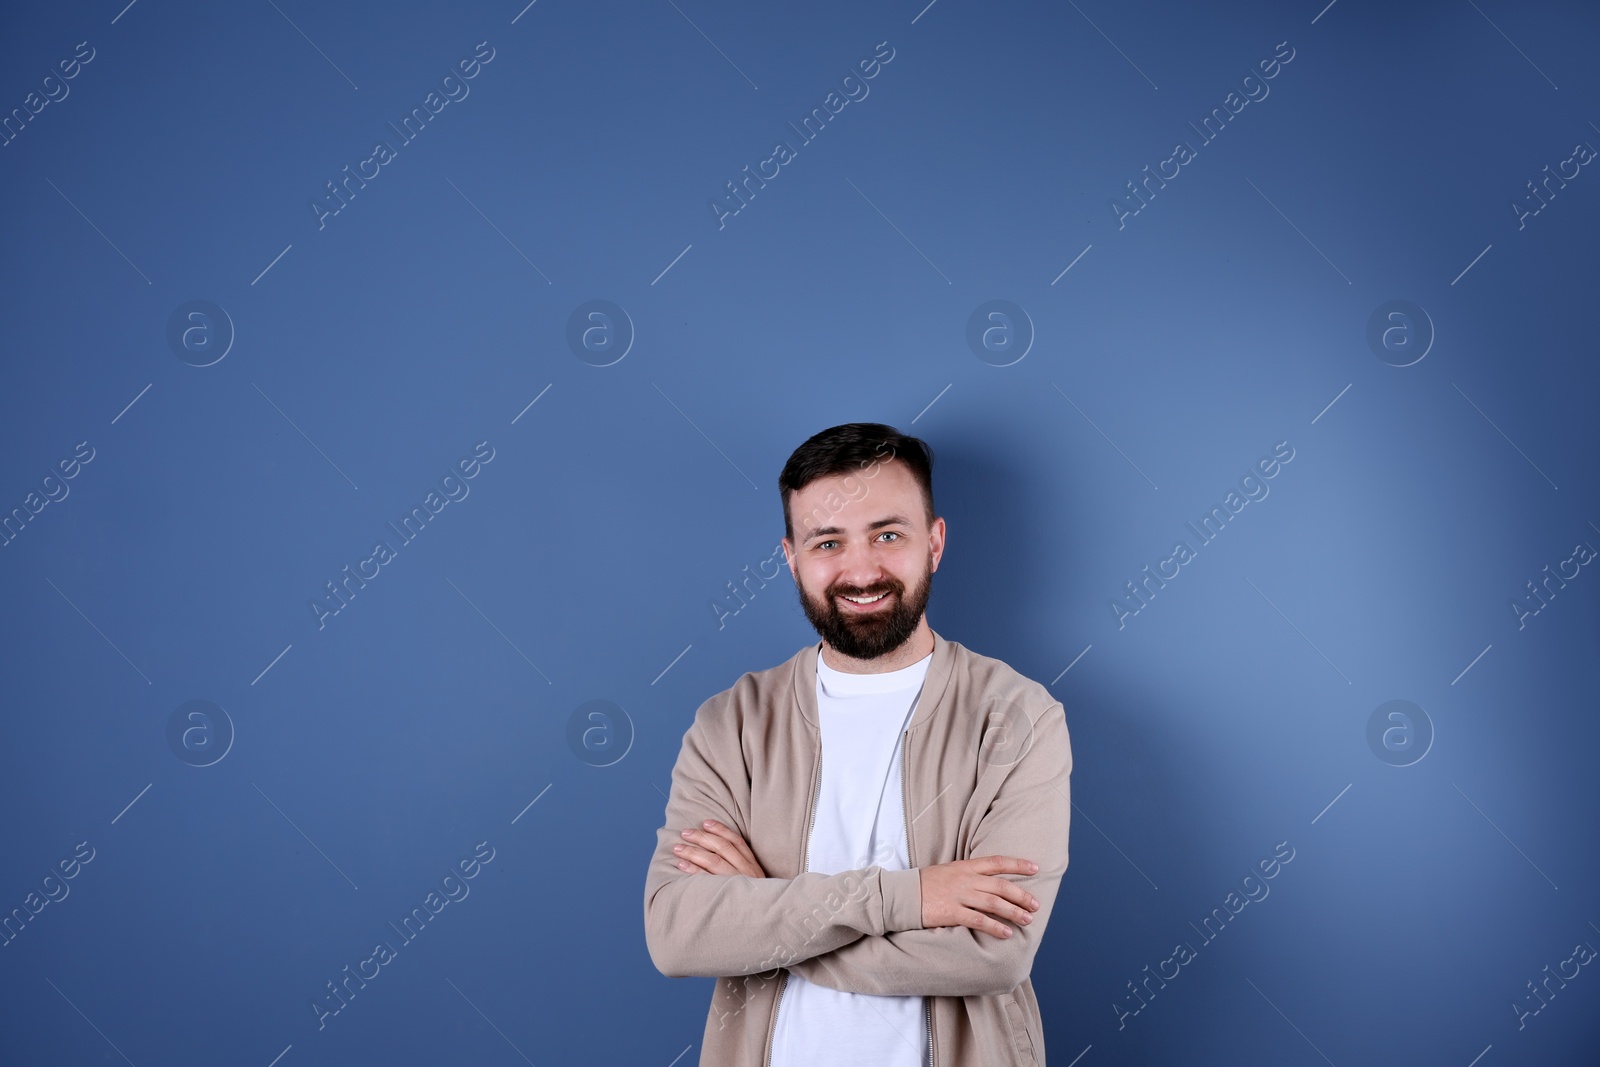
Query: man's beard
x=869, y=635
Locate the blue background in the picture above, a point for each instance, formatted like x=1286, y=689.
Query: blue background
x=364, y=756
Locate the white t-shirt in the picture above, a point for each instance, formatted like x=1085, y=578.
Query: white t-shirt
x=860, y=822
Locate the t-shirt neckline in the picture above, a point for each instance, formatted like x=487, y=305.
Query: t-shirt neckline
x=844, y=683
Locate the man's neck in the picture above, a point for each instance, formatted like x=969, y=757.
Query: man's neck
x=918, y=645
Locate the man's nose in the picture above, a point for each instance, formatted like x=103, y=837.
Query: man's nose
x=860, y=570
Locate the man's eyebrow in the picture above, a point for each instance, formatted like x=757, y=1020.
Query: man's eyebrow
x=892, y=520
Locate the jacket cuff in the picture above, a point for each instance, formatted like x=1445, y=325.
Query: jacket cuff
x=902, y=899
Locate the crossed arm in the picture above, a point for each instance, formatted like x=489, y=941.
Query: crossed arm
x=949, y=939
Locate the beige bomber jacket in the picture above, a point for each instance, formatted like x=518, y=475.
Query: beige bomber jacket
x=985, y=772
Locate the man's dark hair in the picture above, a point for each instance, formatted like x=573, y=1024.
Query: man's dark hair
x=854, y=446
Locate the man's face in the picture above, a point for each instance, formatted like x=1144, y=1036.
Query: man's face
x=864, y=534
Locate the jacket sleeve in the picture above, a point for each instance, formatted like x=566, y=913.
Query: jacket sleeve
x=1029, y=819
x=710, y=925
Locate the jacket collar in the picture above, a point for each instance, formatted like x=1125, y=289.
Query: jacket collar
x=804, y=681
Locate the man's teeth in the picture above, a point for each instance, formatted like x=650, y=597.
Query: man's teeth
x=866, y=600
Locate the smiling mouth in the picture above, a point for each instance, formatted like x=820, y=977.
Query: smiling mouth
x=864, y=603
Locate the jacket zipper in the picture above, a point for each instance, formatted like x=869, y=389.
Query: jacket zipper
x=805, y=861
x=772, y=1030
x=905, y=813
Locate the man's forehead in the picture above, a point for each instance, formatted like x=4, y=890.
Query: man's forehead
x=841, y=523
x=852, y=501
x=854, y=496
x=882, y=477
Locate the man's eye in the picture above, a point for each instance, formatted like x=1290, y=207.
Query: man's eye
x=889, y=533
x=824, y=544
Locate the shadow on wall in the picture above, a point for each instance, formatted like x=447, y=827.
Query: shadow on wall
x=997, y=593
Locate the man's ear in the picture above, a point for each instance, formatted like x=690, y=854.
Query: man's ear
x=788, y=557
x=936, y=541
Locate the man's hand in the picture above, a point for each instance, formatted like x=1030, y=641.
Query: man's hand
x=966, y=893
x=716, y=849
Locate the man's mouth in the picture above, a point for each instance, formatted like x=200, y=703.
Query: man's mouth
x=864, y=602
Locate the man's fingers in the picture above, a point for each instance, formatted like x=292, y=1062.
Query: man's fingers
x=716, y=836
x=996, y=905
x=727, y=844
x=706, y=860
x=993, y=865
x=987, y=924
x=1006, y=865
x=721, y=850
x=730, y=835
x=1012, y=892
